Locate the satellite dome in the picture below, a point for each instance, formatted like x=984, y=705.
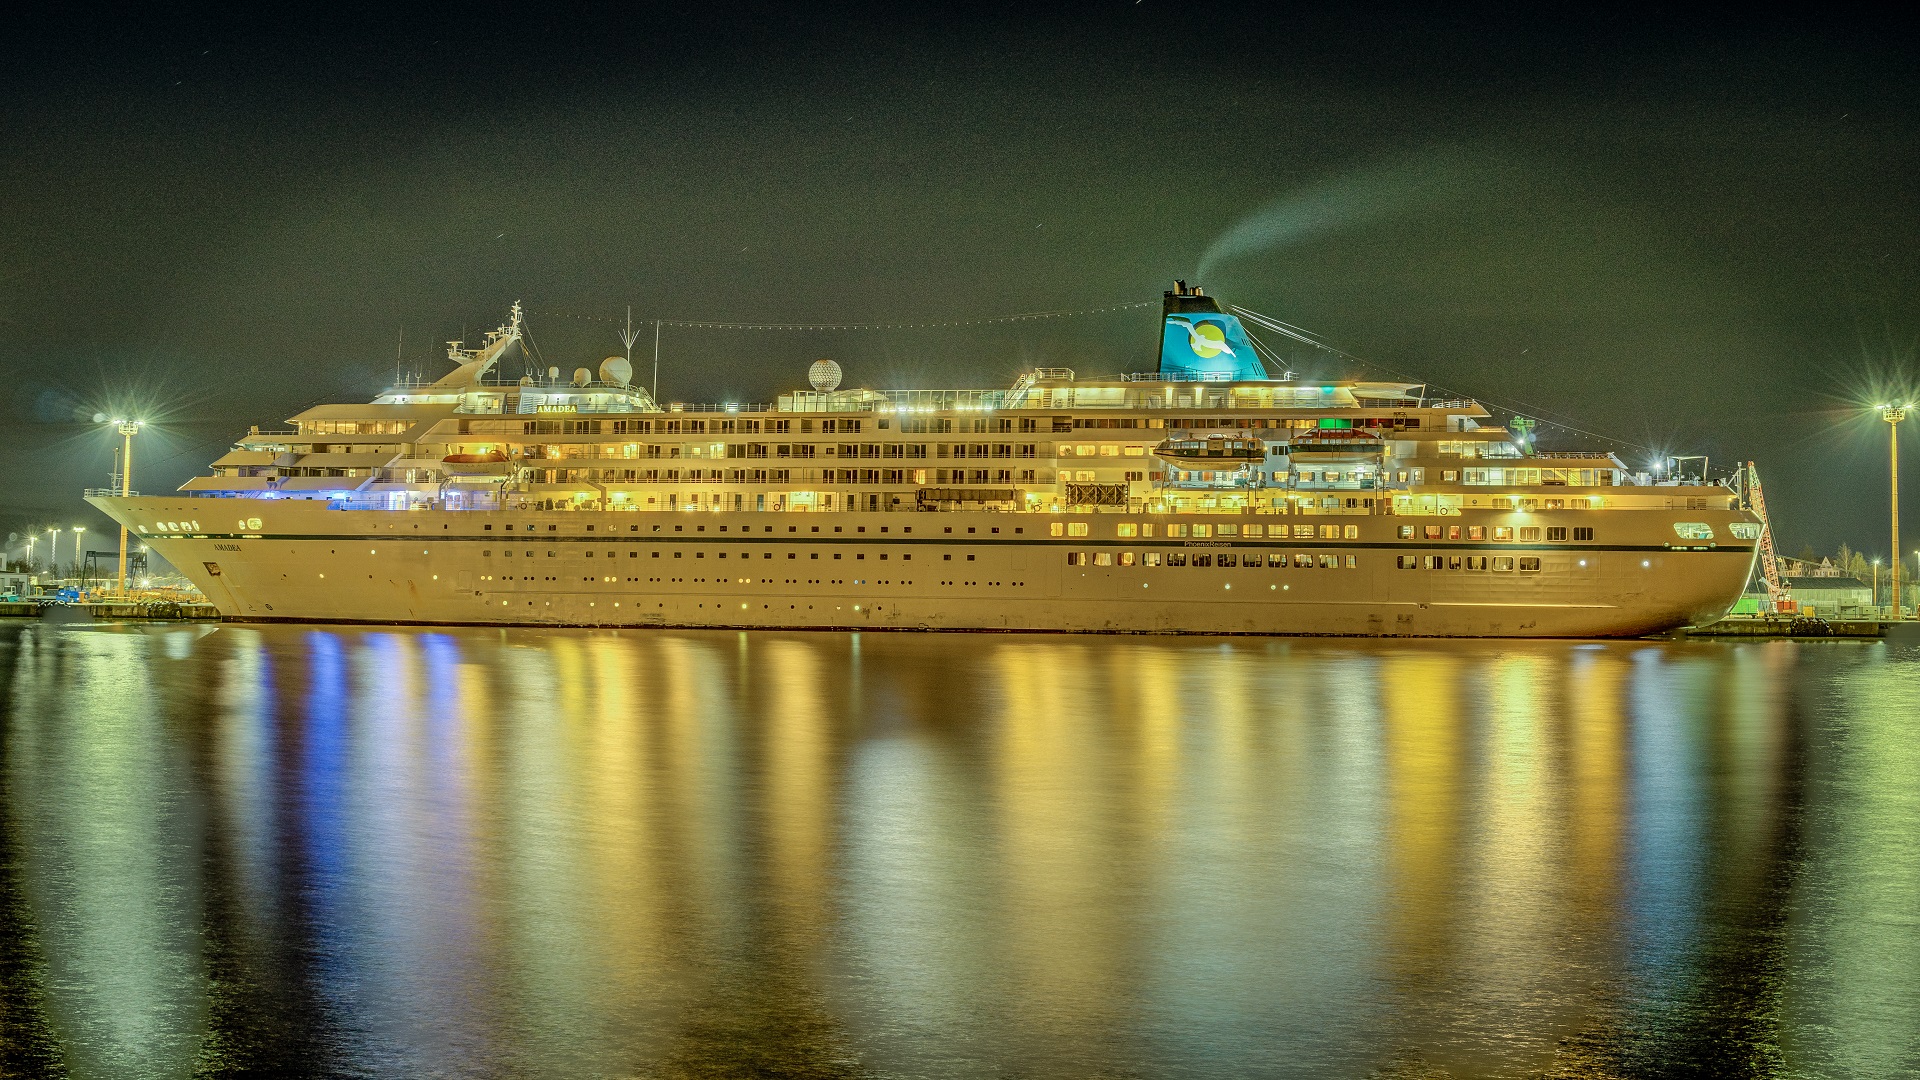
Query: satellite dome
x=553, y=373
x=824, y=375
x=582, y=376
x=616, y=371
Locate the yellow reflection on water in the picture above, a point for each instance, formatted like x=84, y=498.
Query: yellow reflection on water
x=1423, y=740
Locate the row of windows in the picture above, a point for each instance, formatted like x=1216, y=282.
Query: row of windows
x=861, y=556
x=634, y=528
x=1176, y=530
x=1528, y=534
x=1499, y=563
x=1275, y=560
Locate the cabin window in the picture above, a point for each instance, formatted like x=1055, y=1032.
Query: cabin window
x=1126, y=530
x=1530, y=534
x=1057, y=528
x=1152, y=558
x=1202, y=532
x=1126, y=558
x=1076, y=528
x=1407, y=562
x=1203, y=560
x=1176, y=530
x=1529, y=565
x=1276, y=559
x=1302, y=562
x=1253, y=530
x=1476, y=532
x=1503, y=532
x=1103, y=558
x=1741, y=530
x=1502, y=563
x=1229, y=559
x=1693, y=530
x=1176, y=558
x=1557, y=533
x=1583, y=533
x=1433, y=532
x=1329, y=532
x=1350, y=532
x=1329, y=562
x=1476, y=562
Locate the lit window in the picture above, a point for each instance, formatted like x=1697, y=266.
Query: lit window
x=1502, y=563
x=1103, y=558
x=1503, y=532
x=1201, y=532
x=1153, y=558
x=1253, y=530
x=1126, y=558
x=1350, y=532
x=1693, y=530
x=1406, y=532
x=1076, y=528
x=1742, y=530
x=1057, y=529
x=1125, y=530
x=1529, y=565
x=1476, y=532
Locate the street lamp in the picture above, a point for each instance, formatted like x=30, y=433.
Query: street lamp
x=53, y=549
x=1876, y=587
x=127, y=429
x=79, y=533
x=1893, y=414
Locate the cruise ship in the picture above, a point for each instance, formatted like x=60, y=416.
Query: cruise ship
x=1207, y=495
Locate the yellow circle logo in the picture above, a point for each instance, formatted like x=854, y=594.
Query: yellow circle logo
x=1208, y=340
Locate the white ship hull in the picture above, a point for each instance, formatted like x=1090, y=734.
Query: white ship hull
x=934, y=571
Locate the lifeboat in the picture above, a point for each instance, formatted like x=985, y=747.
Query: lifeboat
x=489, y=464
x=1336, y=442
x=1212, y=452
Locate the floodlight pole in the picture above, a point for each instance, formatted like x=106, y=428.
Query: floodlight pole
x=1893, y=414
x=127, y=430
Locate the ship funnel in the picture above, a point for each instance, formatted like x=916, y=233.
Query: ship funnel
x=1199, y=340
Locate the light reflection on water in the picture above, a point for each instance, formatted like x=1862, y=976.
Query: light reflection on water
x=483, y=853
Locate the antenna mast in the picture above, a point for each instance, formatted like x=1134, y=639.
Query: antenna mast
x=627, y=336
x=656, y=362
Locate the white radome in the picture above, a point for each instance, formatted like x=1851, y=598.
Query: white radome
x=616, y=371
x=824, y=375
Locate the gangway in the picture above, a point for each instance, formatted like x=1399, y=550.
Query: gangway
x=1777, y=595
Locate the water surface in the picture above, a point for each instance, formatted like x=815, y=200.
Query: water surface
x=473, y=853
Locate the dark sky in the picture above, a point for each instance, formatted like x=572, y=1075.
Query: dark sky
x=1678, y=231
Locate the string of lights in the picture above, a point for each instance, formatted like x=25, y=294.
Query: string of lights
x=1025, y=316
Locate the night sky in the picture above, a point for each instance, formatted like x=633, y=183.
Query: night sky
x=1679, y=233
